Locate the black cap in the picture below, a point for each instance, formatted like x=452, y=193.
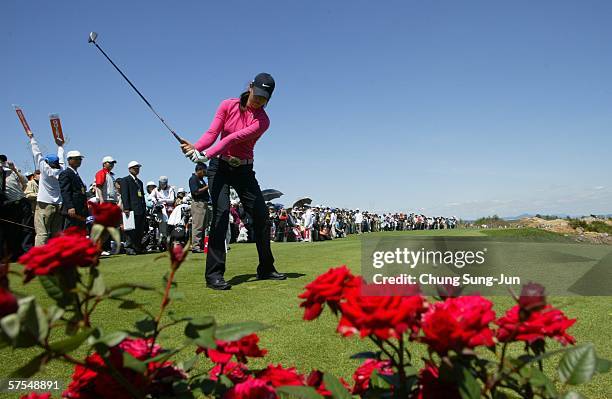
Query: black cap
x=263, y=85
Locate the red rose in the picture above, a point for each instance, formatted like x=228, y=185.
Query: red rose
x=532, y=298
x=107, y=214
x=236, y=372
x=35, y=395
x=548, y=322
x=251, y=389
x=140, y=348
x=243, y=348
x=328, y=287
x=383, y=316
x=458, y=323
x=432, y=387
x=8, y=302
x=364, y=372
x=177, y=254
x=278, y=376
x=68, y=250
x=90, y=384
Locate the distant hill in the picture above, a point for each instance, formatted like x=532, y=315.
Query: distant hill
x=559, y=215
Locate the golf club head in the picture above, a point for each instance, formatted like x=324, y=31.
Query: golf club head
x=92, y=37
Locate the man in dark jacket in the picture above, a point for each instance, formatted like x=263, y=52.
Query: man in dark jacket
x=74, y=192
x=132, y=197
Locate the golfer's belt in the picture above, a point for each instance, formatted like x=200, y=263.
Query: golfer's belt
x=234, y=161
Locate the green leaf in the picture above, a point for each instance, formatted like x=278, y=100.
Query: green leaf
x=378, y=381
x=121, y=291
x=602, y=365
x=98, y=288
x=578, y=365
x=146, y=325
x=235, y=331
x=10, y=325
x=333, y=385
x=30, y=368
x=69, y=344
x=298, y=392
x=188, y=364
x=202, y=321
x=132, y=363
x=54, y=313
x=111, y=339
x=366, y=355
x=468, y=386
x=33, y=319
x=201, y=335
x=129, y=304
x=572, y=395
x=52, y=287
x=539, y=379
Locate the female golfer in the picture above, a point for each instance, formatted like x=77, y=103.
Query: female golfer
x=241, y=122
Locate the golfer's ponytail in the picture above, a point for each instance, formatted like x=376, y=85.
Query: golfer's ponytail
x=244, y=98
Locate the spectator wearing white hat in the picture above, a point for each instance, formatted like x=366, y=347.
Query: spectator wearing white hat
x=105, y=181
x=74, y=192
x=132, y=196
x=180, y=197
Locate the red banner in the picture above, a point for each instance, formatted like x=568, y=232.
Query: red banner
x=22, y=118
x=56, y=127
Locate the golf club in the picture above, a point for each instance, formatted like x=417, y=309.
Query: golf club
x=92, y=39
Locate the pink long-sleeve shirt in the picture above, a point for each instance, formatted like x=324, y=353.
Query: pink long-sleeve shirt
x=239, y=131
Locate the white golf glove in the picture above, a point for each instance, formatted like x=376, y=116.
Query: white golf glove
x=196, y=156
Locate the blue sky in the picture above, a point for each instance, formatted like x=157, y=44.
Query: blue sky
x=456, y=108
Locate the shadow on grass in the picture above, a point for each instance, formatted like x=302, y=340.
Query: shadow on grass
x=249, y=278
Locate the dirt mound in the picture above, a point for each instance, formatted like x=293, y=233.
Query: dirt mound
x=562, y=226
x=557, y=225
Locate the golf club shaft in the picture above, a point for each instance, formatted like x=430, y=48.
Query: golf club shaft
x=180, y=140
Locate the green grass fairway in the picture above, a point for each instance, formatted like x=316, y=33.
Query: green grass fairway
x=292, y=341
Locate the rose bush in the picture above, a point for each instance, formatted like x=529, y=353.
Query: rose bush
x=132, y=363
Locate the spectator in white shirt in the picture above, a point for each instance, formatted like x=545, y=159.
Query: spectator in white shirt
x=358, y=221
x=47, y=217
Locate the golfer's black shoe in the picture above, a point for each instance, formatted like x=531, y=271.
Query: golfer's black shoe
x=220, y=285
x=271, y=276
